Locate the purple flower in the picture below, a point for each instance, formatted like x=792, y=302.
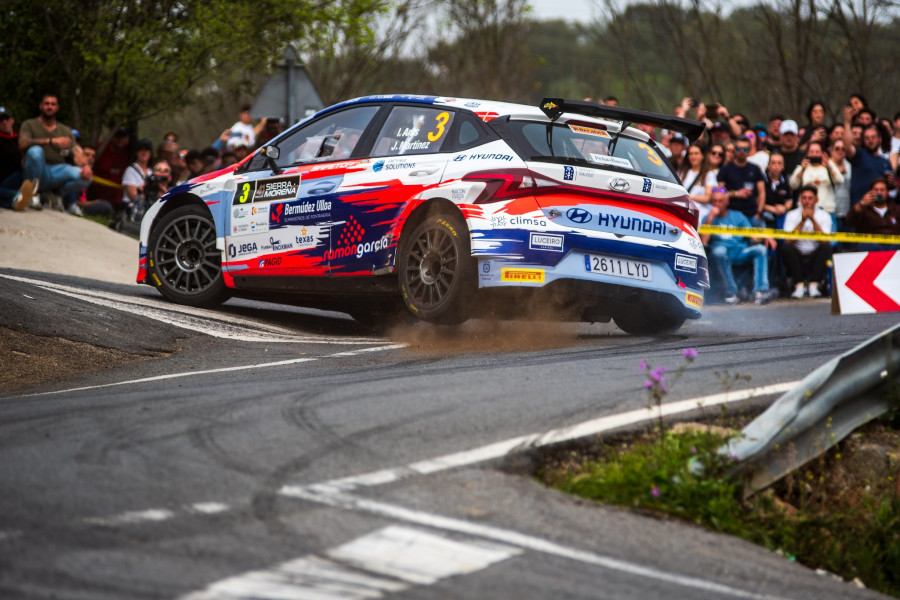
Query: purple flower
x=648, y=384
x=663, y=387
x=689, y=353
x=643, y=365
x=693, y=449
x=654, y=491
x=657, y=374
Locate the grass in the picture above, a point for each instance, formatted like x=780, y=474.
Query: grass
x=827, y=515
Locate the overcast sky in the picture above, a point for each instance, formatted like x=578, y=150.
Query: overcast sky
x=574, y=10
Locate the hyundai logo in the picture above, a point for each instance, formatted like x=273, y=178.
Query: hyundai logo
x=619, y=184
x=578, y=215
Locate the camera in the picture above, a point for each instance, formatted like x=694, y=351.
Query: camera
x=694, y=102
x=879, y=199
x=815, y=160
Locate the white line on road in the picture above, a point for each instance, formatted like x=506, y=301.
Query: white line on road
x=218, y=325
x=389, y=560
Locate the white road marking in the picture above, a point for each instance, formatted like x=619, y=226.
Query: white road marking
x=365, y=350
x=209, y=508
x=133, y=517
x=389, y=560
x=516, y=539
x=211, y=323
x=537, y=440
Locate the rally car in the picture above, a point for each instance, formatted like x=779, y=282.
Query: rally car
x=445, y=208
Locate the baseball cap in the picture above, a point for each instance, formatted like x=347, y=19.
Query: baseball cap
x=4, y=113
x=789, y=126
x=719, y=126
x=145, y=144
x=678, y=139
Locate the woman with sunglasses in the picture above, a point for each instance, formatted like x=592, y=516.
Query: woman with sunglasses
x=715, y=157
x=698, y=178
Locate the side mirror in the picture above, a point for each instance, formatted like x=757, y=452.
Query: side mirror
x=272, y=153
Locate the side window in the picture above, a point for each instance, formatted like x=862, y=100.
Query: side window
x=413, y=130
x=331, y=138
x=469, y=133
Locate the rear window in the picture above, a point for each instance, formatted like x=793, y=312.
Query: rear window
x=585, y=145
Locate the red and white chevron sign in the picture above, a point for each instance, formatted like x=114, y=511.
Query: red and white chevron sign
x=867, y=282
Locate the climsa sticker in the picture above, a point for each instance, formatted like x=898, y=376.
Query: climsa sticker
x=589, y=131
x=264, y=190
x=695, y=300
x=683, y=262
x=616, y=161
x=522, y=275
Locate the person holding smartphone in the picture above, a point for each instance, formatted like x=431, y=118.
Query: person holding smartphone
x=875, y=213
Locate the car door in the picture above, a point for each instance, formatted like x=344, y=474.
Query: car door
x=281, y=219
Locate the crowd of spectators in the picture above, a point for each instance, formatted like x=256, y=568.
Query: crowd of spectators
x=46, y=164
x=816, y=178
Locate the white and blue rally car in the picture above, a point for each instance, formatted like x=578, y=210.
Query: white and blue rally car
x=446, y=208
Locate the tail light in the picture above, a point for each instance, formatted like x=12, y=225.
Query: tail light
x=503, y=185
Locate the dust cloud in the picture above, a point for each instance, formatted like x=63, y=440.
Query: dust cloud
x=481, y=335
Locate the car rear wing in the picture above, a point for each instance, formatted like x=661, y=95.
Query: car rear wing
x=554, y=107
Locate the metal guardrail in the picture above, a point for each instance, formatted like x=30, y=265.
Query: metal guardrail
x=819, y=412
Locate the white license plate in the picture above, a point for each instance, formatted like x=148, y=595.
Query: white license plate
x=618, y=267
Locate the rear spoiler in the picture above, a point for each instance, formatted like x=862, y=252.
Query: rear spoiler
x=554, y=107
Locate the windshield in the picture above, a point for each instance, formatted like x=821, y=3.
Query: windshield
x=591, y=146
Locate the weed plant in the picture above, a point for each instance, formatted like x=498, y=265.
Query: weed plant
x=822, y=516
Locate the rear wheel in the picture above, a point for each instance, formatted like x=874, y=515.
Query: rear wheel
x=436, y=269
x=183, y=261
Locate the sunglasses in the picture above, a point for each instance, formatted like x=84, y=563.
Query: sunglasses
x=742, y=148
x=719, y=190
x=716, y=153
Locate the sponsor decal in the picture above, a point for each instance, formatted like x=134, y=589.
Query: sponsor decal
x=619, y=184
x=568, y=173
x=648, y=185
x=498, y=221
x=589, y=131
x=265, y=190
x=694, y=300
x=338, y=165
x=527, y=221
x=389, y=165
x=305, y=239
x=349, y=242
x=694, y=243
x=522, y=275
x=586, y=173
x=546, y=241
x=683, y=262
x=273, y=261
x=615, y=161
x=240, y=212
x=578, y=215
x=458, y=194
x=277, y=245
x=235, y=250
x=472, y=104
x=549, y=105
x=489, y=156
x=486, y=267
x=618, y=223
x=486, y=115
x=299, y=212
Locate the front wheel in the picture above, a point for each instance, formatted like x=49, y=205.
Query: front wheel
x=182, y=258
x=436, y=269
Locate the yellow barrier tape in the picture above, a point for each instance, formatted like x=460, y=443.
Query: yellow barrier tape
x=800, y=235
x=106, y=182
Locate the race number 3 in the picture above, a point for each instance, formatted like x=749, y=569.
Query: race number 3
x=441, y=119
x=244, y=193
x=651, y=155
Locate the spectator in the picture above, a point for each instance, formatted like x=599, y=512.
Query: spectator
x=229, y=158
x=729, y=152
x=759, y=155
x=677, y=145
x=895, y=144
x=243, y=131
x=720, y=133
x=194, y=162
x=725, y=251
x=875, y=213
x=773, y=133
x=815, y=129
x=716, y=157
x=866, y=117
x=867, y=164
x=698, y=178
x=790, y=145
x=835, y=132
x=136, y=173
x=817, y=169
x=15, y=192
x=779, y=198
x=240, y=152
x=110, y=165
x=47, y=143
x=857, y=102
x=842, y=191
x=806, y=259
x=211, y=160
x=274, y=127
x=91, y=208
x=744, y=181
x=170, y=136
x=611, y=101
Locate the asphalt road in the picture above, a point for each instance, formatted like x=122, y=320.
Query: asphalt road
x=268, y=451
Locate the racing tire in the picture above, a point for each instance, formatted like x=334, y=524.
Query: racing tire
x=649, y=321
x=436, y=270
x=182, y=260
x=380, y=317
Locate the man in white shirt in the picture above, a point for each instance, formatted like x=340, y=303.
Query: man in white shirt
x=805, y=257
x=243, y=133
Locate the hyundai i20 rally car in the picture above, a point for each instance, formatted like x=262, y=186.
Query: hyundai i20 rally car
x=446, y=208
